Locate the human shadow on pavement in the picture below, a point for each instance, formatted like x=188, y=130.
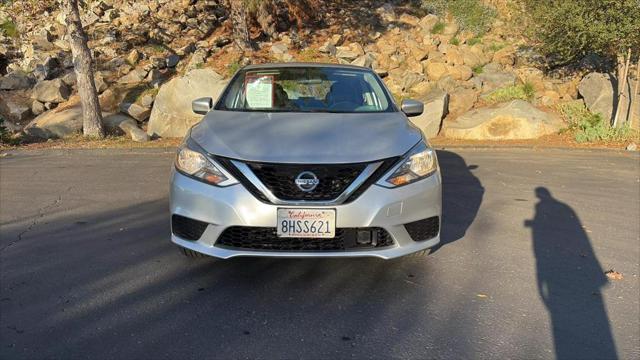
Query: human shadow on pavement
x=570, y=280
x=462, y=194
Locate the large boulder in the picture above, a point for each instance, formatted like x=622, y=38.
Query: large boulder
x=462, y=100
x=127, y=125
x=48, y=69
x=598, y=93
x=16, y=81
x=513, y=120
x=171, y=115
x=66, y=120
x=347, y=53
x=56, y=123
x=15, y=107
x=505, y=56
x=51, y=91
x=435, y=109
x=11, y=127
x=138, y=112
x=460, y=72
x=427, y=23
x=435, y=70
x=135, y=76
x=492, y=80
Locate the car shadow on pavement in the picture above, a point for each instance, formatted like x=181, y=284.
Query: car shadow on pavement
x=110, y=283
x=462, y=194
x=570, y=280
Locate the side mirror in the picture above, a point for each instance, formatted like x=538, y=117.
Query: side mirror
x=202, y=105
x=412, y=107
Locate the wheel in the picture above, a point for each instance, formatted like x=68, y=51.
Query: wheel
x=191, y=254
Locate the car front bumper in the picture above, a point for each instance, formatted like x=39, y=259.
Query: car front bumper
x=390, y=209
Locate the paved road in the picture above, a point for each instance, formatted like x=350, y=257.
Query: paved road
x=87, y=269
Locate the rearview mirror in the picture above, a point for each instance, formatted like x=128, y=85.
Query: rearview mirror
x=412, y=107
x=202, y=105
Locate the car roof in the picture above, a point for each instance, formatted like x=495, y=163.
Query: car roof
x=303, y=65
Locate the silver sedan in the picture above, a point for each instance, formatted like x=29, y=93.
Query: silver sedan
x=305, y=160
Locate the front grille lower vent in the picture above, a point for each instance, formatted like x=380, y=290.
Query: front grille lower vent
x=187, y=228
x=265, y=239
x=424, y=229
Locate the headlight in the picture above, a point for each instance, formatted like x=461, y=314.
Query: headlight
x=418, y=164
x=195, y=164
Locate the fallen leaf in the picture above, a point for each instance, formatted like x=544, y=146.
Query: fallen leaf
x=613, y=275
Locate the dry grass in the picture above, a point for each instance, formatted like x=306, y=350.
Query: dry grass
x=110, y=142
x=564, y=140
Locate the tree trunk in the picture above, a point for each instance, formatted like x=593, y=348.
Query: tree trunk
x=635, y=105
x=267, y=17
x=83, y=65
x=622, y=84
x=240, y=24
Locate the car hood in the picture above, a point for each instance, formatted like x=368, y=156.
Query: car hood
x=321, y=138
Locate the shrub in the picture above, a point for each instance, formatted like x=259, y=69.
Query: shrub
x=524, y=91
x=474, y=41
x=495, y=46
x=454, y=41
x=309, y=55
x=471, y=15
x=8, y=28
x=233, y=68
x=478, y=69
x=569, y=30
x=589, y=127
x=438, y=28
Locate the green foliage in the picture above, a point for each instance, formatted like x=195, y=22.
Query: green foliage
x=158, y=48
x=309, y=55
x=495, y=46
x=473, y=15
x=474, y=41
x=8, y=28
x=233, y=68
x=478, y=69
x=524, y=91
x=529, y=90
x=454, y=41
x=438, y=28
x=589, y=127
x=569, y=30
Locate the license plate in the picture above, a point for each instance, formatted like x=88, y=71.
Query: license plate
x=307, y=223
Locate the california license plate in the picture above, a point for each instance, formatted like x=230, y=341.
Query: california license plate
x=307, y=223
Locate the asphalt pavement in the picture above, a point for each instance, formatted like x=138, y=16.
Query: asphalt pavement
x=87, y=269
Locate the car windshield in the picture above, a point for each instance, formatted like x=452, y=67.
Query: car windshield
x=306, y=89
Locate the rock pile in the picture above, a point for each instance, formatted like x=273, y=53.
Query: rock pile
x=152, y=59
x=136, y=45
x=431, y=60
